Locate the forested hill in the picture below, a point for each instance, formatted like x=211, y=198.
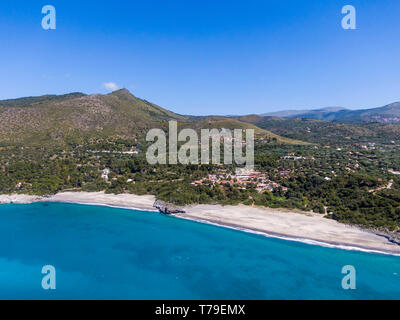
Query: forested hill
x=319, y=131
x=72, y=118
x=31, y=100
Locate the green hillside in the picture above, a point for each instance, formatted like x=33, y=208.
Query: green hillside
x=34, y=121
x=31, y=100
x=216, y=122
x=319, y=131
x=75, y=118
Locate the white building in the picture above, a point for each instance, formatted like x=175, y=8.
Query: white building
x=105, y=174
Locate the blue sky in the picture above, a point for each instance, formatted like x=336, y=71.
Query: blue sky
x=206, y=57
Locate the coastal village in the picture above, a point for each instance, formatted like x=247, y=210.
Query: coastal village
x=242, y=178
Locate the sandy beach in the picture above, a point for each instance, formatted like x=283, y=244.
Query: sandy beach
x=18, y=198
x=309, y=228
x=129, y=201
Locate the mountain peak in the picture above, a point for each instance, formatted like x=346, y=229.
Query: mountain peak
x=123, y=90
x=332, y=109
x=123, y=94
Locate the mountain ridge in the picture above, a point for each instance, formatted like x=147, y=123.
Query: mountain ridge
x=389, y=113
x=76, y=117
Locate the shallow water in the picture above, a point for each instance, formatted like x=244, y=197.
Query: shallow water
x=108, y=253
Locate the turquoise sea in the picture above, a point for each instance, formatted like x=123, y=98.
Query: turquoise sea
x=109, y=253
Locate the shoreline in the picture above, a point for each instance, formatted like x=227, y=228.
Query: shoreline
x=310, y=241
x=283, y=224
x=288, y=225
x=122, y=201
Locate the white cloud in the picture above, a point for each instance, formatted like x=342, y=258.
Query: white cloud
x=110, y=86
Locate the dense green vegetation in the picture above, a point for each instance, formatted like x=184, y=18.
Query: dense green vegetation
x=352, y=188
x=317, y=131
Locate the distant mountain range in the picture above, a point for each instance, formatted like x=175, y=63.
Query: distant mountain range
x=56, y=120
x=386, y=114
